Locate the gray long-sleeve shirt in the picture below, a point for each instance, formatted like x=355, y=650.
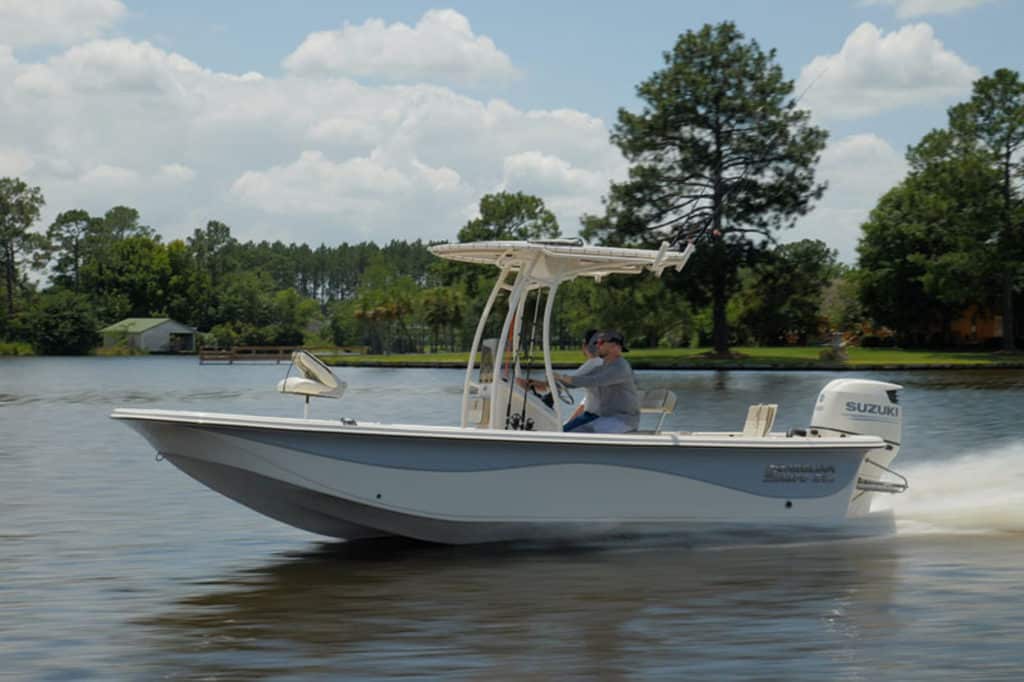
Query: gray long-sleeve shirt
x=590, y=400
x=616, y=391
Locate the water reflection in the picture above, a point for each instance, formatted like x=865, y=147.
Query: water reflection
x=987, y=379
x=613, y=610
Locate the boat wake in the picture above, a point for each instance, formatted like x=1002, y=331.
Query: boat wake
x=977, y=492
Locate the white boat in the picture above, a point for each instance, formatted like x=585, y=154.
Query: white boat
x=507, y=471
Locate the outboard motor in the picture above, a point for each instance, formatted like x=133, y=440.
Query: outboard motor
x=861, y=407
x=870, y=408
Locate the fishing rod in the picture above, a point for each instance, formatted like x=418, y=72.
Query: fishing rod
x=529, y=358
x=517, y=420
x=512, y=365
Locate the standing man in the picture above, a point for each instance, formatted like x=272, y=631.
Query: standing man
x=618, y=405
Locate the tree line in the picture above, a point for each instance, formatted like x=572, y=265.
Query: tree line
x=392, y=298
x=720, y=154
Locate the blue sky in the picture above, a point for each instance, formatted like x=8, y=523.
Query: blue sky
x=384, y=120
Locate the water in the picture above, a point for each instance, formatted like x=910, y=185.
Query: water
x=114, y=566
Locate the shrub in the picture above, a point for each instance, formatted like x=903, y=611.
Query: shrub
x=63, y=323
x=222, y=336
x=15, y=348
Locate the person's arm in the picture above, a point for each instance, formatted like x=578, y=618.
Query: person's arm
x=589, y=366
x=536, y=383
x=600, y=376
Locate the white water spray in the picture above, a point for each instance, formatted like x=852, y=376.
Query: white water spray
x=976, y=492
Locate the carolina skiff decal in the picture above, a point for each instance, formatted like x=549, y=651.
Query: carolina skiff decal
x=799, y=473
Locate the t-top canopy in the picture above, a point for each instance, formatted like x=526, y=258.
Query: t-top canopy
x=562, y=259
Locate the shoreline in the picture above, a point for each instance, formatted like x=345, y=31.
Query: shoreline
x=759, y=367
x=639, y=363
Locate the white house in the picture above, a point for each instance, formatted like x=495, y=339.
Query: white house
x=151, y=334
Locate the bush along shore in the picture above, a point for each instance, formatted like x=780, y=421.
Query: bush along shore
x=787, y=358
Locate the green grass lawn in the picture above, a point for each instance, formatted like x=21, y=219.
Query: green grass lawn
x=790, y=356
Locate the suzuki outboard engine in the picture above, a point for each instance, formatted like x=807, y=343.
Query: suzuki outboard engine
x=861, y=407
x=869, y=408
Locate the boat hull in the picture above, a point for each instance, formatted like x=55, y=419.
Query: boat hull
x=464, y=486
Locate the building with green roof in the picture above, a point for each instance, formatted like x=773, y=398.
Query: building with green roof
x=151, y=334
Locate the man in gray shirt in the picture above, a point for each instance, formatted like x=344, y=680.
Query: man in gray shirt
x=612, y=382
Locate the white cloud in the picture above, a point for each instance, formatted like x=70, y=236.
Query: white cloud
x=567, y=190
x=7, y=59
x=859, y=170
x=873, y=73
x=40, y=81
x=109, y=177
x=14, y=162
x=861, y=167
x=121, y=66
x=315, y=184
x=296, y=158
x=534, y=172
x=55, y=22
x=441, y=48
x=313, y=159
x=347, y=130
x=176, y=172
x=60, y=168
x=441, y=179
x=906, y=9
x=361, y=193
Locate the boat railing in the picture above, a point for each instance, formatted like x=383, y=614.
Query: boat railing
x=879, y=486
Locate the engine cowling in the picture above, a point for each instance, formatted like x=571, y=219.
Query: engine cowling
x=860, y=406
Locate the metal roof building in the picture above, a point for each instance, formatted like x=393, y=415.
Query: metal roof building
x=151, y=334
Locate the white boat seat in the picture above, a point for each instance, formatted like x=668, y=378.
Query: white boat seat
x=659, y=401
x=760, y=419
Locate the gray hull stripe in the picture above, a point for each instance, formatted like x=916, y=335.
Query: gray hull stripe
x=805, y=474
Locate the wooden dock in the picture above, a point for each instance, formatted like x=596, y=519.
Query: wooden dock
x=275, y=354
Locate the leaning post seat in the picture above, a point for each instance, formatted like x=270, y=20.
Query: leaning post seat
x=659, y=401
x=760, y=419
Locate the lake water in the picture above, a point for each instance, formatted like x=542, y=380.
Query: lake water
x=115, y=566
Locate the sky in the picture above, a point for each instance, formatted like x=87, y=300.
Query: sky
x=326, y=122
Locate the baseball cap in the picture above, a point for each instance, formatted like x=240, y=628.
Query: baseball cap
x=615, y=337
